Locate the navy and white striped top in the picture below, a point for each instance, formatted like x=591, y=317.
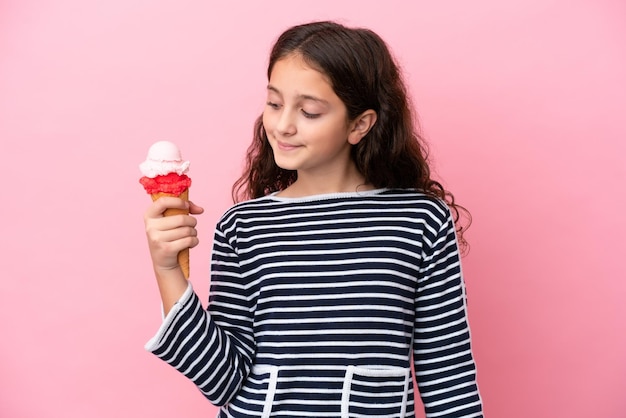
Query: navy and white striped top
x=318, y=306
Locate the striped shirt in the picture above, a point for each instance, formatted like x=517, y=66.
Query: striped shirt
x=320, y=305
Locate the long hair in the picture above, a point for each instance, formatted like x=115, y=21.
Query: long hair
x=364, y=75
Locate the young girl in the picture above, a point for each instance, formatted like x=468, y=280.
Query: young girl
x=343, y=267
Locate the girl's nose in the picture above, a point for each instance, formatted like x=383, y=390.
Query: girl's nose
x=285, y=125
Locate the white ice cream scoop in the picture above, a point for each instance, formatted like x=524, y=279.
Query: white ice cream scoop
x=164, y=157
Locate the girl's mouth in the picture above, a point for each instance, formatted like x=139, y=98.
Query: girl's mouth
x=284, y=146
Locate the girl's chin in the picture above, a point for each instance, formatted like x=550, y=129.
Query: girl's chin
x=285, y=164
x=289, y=167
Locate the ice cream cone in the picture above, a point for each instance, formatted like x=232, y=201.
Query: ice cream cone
x=183, y=256
x=164, y=174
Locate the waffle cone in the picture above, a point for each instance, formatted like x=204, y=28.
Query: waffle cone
x=183, y=256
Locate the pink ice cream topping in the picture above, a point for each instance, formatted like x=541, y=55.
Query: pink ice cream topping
x=163, y=158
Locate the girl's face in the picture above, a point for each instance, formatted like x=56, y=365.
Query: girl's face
x=305, y=121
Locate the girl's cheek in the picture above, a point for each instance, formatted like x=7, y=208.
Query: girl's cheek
x=266, y=122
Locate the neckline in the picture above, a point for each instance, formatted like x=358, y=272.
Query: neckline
x=325, y=196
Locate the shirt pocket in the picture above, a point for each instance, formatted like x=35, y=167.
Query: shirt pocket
x=375, y=392
x=257, y=394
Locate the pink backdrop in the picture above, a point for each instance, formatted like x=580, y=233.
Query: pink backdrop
x=523, y=102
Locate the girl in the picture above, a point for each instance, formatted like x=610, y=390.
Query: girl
x=341, y=269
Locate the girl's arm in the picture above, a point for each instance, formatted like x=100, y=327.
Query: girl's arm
x=444, y=364
x=212, y=349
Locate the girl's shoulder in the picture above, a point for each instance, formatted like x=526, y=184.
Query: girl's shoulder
x=383, y=200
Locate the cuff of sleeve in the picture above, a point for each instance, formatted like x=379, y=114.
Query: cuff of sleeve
x=156, y=340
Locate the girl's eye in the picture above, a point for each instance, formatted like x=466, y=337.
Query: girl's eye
x=310, y=115
x=273, y=105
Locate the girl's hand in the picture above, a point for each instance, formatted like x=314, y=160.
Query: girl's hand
x=168, y=235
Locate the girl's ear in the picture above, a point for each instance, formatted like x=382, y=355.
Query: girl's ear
x=361, y=126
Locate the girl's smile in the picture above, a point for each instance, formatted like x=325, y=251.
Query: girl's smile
x=284, y=146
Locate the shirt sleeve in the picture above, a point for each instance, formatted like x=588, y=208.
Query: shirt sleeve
x=444, y=365
x=213, y=347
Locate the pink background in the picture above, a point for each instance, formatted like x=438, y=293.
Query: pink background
x=523, y=102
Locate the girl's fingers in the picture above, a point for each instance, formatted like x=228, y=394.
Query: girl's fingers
x=163, y=203
x=176, y=234
x=165, y=244
x=164, y=223
x=161, y=239
x=168, y=235
x=168, y=250
x=195, y=209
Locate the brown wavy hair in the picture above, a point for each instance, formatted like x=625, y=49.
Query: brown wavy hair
x=364, y=75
